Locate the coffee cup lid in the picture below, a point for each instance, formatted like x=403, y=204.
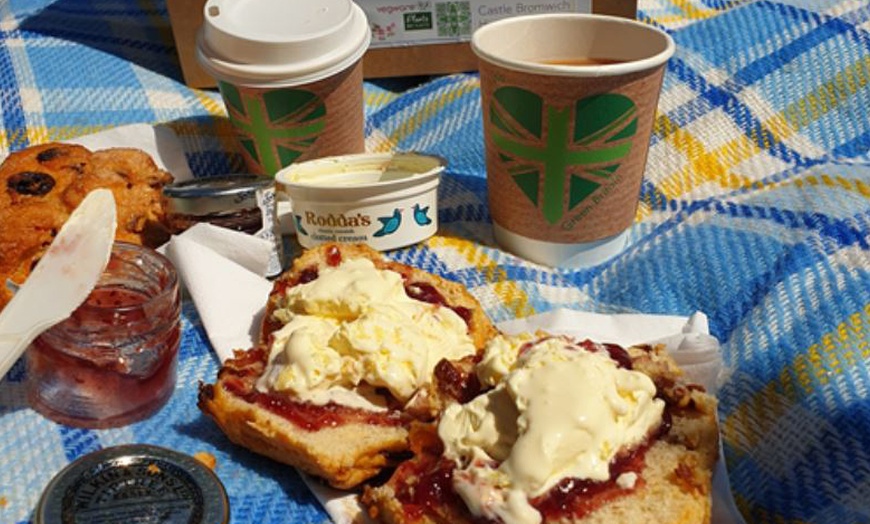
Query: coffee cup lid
x=276, y=43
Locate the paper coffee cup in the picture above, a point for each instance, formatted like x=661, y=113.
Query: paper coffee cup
x=568, y=105
x=290, y=74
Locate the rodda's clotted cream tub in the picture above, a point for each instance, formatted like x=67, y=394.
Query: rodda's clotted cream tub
x=385, y=200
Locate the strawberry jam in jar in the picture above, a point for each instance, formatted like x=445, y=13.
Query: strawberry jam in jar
x=113, y=361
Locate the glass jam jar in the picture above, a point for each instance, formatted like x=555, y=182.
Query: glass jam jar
x=243, y=202
x=113, y=361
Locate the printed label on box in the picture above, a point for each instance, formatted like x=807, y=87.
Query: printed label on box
x=396, y=23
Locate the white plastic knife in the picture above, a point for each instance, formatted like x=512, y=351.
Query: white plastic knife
x=62, y=279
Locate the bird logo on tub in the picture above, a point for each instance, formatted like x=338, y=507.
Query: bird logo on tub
x=299, y=227
x=390, y=224
x=421, y=215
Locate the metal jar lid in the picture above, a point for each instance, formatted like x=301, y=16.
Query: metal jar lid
x=134, y=483
x=216, y=194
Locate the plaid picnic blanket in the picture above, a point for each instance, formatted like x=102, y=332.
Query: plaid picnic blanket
x=755, y=210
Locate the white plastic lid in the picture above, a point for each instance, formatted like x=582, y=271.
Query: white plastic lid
x=280, y=42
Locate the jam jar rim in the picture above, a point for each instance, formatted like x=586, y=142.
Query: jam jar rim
x=167, y=288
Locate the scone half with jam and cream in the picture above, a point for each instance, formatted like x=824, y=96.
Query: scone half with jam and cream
x=349, y=346
x=560, y=431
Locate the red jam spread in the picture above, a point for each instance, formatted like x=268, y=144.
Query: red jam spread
x=247, y=366
x=313, y=417
x=333, y=256
x=426, y=482
x=619, y=355
x=427, y=293
x=457, y=381
x=432, y=489
x=573, y=497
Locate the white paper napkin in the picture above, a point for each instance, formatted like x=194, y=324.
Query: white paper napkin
x=223, y=270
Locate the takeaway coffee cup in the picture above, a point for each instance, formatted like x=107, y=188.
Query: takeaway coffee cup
x=290, y=75
x=568, y=103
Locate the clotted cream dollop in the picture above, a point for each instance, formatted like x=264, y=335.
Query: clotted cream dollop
x=353, y=329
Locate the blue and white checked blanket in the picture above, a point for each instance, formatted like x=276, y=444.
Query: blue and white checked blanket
x=755, y=210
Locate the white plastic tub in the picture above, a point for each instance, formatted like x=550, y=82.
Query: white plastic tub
x=385, y=200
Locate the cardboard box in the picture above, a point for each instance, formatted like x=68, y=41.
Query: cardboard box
x=186, y=16
x=410, y=37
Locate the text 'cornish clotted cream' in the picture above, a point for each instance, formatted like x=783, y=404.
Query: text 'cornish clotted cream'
x=353, y=329
x=557, y=410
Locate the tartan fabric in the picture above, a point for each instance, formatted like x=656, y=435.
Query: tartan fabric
x=754, y=210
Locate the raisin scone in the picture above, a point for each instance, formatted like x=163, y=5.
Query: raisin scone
x=137, y=184
x=560, y=431
x=349, y=344
x=41, y=185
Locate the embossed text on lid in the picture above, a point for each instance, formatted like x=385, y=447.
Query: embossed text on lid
x=134, y=483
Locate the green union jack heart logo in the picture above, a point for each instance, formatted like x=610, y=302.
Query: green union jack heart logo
x=587, y=141
x=276, y=127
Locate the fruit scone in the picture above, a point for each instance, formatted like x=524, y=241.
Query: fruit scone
x=349, y=345
x=41, y=185
x=561, y=431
